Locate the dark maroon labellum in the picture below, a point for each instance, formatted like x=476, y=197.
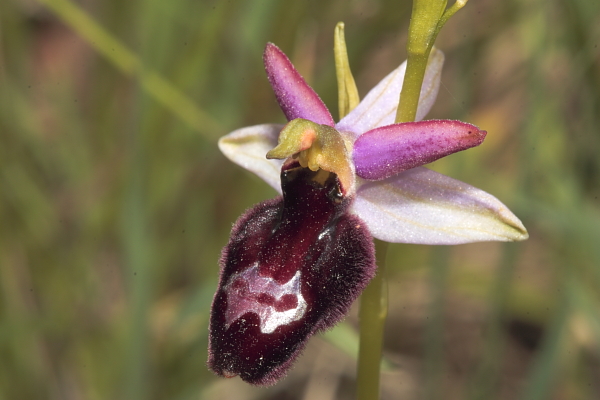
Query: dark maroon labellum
x=293, y=267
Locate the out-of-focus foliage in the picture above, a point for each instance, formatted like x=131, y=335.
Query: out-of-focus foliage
x=114, y=206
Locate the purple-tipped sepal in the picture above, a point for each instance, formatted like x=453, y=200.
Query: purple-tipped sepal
x=386, y=151
x=293, y=267
x=295, y=97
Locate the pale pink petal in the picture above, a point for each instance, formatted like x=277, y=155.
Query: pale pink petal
x=248, y=146
x=424, y=207
x=389, y=150
x=296, y=98
x=379, y=107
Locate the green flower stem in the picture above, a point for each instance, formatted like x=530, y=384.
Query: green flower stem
x=411, y=88
x=434, y=329
x=373, y=302
x=428, y=17
x=130, y=64
x=373, y=312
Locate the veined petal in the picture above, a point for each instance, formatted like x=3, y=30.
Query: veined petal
x=295, y=97
x=248, y=147
x=389, y=150
x=379, y=107
x=424, y=207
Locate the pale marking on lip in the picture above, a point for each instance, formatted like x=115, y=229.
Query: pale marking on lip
x=244, y=298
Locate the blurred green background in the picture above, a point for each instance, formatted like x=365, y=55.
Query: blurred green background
x=115, y=201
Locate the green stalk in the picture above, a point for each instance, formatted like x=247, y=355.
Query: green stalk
x=373, y=302
x=428, y=17
x=434, y=329
x=373, y=312
x=411, y=88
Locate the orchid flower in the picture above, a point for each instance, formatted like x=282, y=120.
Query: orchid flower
x=295, y=264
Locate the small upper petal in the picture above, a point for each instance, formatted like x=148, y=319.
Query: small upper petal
x=296, y=98
x=247, y=147
x=424, y=207
x=389, y=150
x=379, y=107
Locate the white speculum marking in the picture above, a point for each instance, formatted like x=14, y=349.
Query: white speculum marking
x=275, y=304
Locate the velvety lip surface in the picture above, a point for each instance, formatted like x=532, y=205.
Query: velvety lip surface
x=293, y=266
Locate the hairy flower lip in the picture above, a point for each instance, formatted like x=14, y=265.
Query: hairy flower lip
x=306, y=245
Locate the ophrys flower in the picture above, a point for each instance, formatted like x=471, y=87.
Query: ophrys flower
x=295, y=264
